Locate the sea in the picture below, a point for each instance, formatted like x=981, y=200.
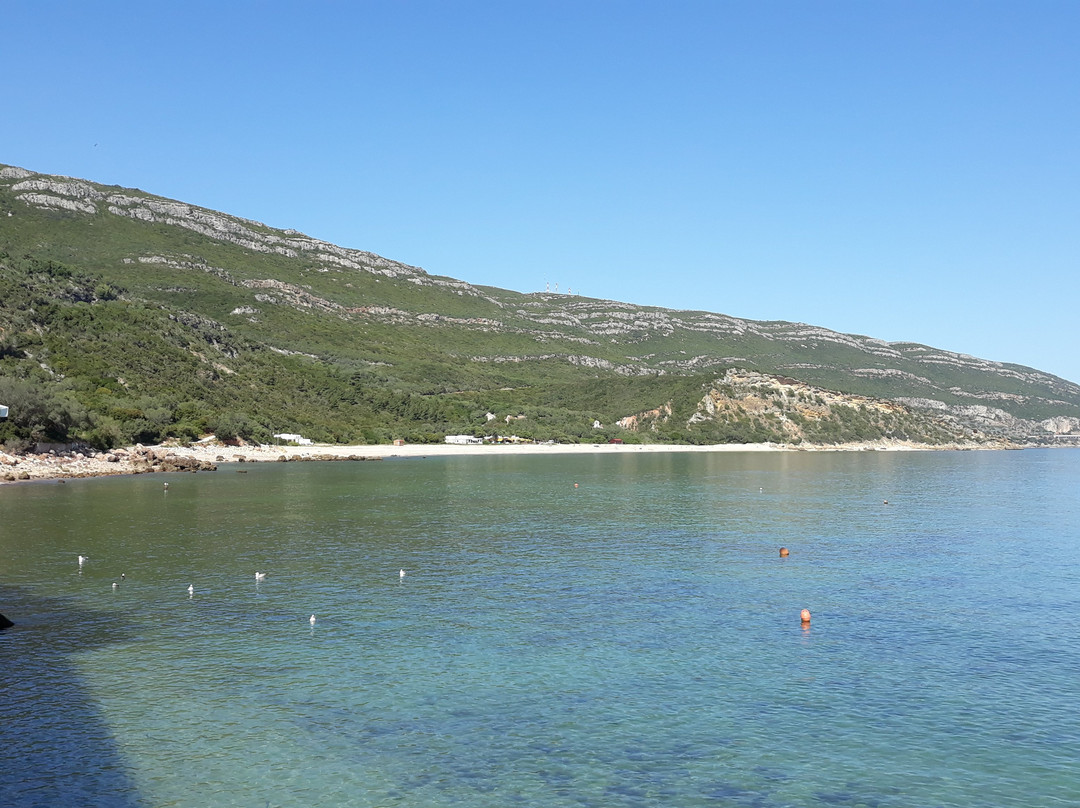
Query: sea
x=582, y=630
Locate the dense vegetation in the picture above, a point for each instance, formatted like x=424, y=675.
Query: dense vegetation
x=79, y=359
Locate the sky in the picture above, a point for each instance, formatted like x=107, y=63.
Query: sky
x=904, y=170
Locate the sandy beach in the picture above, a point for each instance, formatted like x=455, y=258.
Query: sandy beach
x=206, y=455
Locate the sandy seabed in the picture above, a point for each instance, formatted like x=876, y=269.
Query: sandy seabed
x=167, y=458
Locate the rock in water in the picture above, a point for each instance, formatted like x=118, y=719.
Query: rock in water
x=5, y=623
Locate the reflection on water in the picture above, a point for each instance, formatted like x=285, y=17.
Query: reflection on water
x=606, y=630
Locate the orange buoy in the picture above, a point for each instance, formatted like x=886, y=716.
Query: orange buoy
x=804, y=615
x=783, y=552
x=575, y=485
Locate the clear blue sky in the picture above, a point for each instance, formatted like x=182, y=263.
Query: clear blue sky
x=907, y=170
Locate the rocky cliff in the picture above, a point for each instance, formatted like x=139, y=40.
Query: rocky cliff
x=783, y=410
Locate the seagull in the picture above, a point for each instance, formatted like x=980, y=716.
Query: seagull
x=312, y=619
x=191, y=589
x=401, y=573
x=123, y=577
x=115, y=585
x=260, y=576
x=83, y=559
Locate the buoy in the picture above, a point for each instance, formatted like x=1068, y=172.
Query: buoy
x=783, y=552
x=804, y=615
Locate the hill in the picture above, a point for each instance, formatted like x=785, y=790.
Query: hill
x=126, y=317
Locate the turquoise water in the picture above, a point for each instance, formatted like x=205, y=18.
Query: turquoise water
x=633, y=641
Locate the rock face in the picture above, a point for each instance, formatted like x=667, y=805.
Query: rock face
x=66, y=193
x=1062, y=425
x=746, y=405
x=990, y=420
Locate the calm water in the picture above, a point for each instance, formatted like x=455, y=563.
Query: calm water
x=634, y=641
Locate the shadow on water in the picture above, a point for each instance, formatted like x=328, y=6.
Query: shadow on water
x=58, y=748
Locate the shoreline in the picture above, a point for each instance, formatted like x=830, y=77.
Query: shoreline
x=205, y=456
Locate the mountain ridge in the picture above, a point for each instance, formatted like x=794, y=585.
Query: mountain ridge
x=397, y=327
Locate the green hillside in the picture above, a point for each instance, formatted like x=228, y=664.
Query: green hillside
x=125, y=317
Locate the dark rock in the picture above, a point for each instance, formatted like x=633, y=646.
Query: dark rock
x=180, y=463
x=5, y=623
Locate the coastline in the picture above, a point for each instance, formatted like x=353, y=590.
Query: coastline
x=206, y=455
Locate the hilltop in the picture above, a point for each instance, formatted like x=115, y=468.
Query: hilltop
x=126, y=317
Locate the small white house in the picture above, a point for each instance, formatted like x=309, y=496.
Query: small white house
x=3, y=411
x=297, y=439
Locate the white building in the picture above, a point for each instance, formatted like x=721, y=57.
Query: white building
x=297, y=439
x=462, y=440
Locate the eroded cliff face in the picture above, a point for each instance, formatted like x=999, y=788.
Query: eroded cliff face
x=1060, y=430
x=1063, y=426
x=793, y=405
x=783, y=410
